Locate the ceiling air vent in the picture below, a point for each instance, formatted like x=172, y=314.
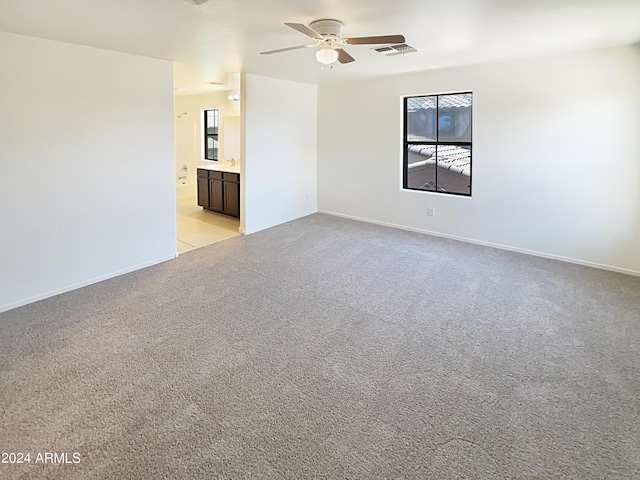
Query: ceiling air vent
x=392, y=50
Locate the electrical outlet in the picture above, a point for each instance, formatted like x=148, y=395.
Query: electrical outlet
x=431, y=212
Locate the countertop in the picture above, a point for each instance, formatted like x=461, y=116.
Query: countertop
x=223, y=167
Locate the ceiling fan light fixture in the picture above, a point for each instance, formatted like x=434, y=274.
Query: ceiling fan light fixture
x=326, y=55
x=327, y=34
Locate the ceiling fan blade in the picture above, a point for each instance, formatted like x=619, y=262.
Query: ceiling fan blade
x=344, y=57
x=286, y=49
x=373, y=40
x=305, y=30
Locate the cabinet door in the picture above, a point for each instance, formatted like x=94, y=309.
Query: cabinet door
x=232, y=199
x=215, y=195
x=203, y=192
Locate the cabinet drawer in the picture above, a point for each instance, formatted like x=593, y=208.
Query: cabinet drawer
x=231, y=177
x=215, y=175
x=202, y=172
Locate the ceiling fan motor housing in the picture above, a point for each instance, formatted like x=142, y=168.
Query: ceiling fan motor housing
x=327, y=27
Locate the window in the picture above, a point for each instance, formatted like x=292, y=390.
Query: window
x=437, y=143
x=211, y=134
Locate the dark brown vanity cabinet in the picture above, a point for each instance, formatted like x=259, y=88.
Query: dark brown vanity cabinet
x=231, y=194
x=219, y=191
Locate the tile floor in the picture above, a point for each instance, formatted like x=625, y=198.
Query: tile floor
x=197, y=227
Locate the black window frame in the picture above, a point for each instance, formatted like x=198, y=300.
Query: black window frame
x=407, y=143
x=213, y=136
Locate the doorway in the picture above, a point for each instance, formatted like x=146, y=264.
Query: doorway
x=197, y=227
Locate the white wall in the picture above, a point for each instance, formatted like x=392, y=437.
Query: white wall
x=556, y=156
x=86, y=154
x=279, y=137
x=188, y=137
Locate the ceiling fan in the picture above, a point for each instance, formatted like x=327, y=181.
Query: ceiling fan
x=327, y=34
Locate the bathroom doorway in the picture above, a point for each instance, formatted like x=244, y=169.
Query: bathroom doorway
x=197, y=227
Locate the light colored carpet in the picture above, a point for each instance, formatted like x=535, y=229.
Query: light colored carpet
x=327, y=348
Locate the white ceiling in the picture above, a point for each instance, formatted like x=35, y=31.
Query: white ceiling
x=211, y=41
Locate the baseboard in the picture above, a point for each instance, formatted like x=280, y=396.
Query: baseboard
x=74, y=286
x=279, y=222
x=489, y=244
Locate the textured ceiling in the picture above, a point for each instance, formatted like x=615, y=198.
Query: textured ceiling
x=211, y=41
